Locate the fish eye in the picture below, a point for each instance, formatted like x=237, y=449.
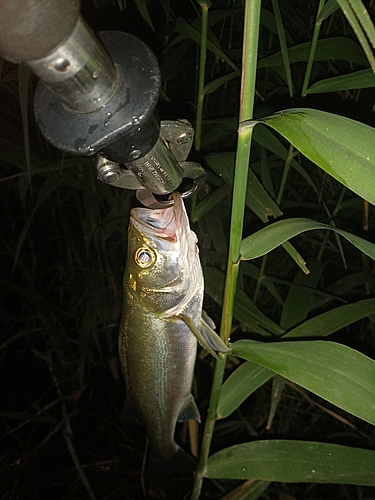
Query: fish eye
x=144, y=257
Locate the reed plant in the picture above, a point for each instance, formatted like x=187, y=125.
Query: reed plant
x=281, y=95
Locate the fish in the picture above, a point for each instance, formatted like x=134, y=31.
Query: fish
x=162, y=320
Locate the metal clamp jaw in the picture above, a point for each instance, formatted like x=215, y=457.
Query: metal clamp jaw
x=161, y=171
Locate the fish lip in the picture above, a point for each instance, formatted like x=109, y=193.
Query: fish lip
x=165, y=223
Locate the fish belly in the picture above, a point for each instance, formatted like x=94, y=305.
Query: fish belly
x=158, y=357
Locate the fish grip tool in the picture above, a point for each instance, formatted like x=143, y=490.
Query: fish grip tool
x=97, y=95
x=162, y=170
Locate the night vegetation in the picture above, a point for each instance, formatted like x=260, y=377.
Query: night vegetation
x=287, y=246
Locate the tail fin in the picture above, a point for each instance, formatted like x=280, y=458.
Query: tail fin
x=180, y=463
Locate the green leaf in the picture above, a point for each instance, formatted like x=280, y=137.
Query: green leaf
x=294, y=462
x=275, y=234
x=222, y=80
x=363, y=79
x=278, y=384
x=267, y=138
x=363, y=17
x=337, y=373
x=210, y=201
x=244, y=309
x=283, y=45
x=257, y=198
x=335, y=48
x=143, y=10
x=300, y=295
x=333, y=320
x=215, y=229
x=358, y=17
x=217, y=15
x=342, y=147
x=268, y=21
x=246, y=379
x=189, y=31
x=330, y=7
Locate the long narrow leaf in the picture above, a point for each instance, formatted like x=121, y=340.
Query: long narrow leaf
x=143, y=10
x=270, y=237
x=189, y=31
x=342, y=147
x=330, y=8
x=238, y=387
x=356, y=20
x=362, y=14
x=333, y=320
x=283, y=45
x=363, y=79
x=298, y=301
x=257, y=198
x=244, y=309
x=337, y=373
x=294, y=462
x=335, y=48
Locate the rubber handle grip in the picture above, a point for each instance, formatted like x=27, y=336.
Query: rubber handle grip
x=30, y=29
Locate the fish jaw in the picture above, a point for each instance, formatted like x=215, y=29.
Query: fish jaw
x=175, y=275
x=165, y=223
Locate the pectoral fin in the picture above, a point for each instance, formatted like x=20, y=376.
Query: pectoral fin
x=208, y=320
x=190, y=411
x=206, y=336
x=212, y=337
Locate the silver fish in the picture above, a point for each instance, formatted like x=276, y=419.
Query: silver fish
x=161, y=321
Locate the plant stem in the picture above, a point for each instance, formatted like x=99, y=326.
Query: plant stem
x=331, y=223
x=285, y=174
x=249, y=64
x=260, y=278
x=314, y=42
x=201, y=78
x=205, y=5
x=249, y=58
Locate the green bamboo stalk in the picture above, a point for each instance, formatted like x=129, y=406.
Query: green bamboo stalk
x=249, y=65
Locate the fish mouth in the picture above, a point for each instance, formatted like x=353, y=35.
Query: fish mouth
x=166, y=223
x=168, y=230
